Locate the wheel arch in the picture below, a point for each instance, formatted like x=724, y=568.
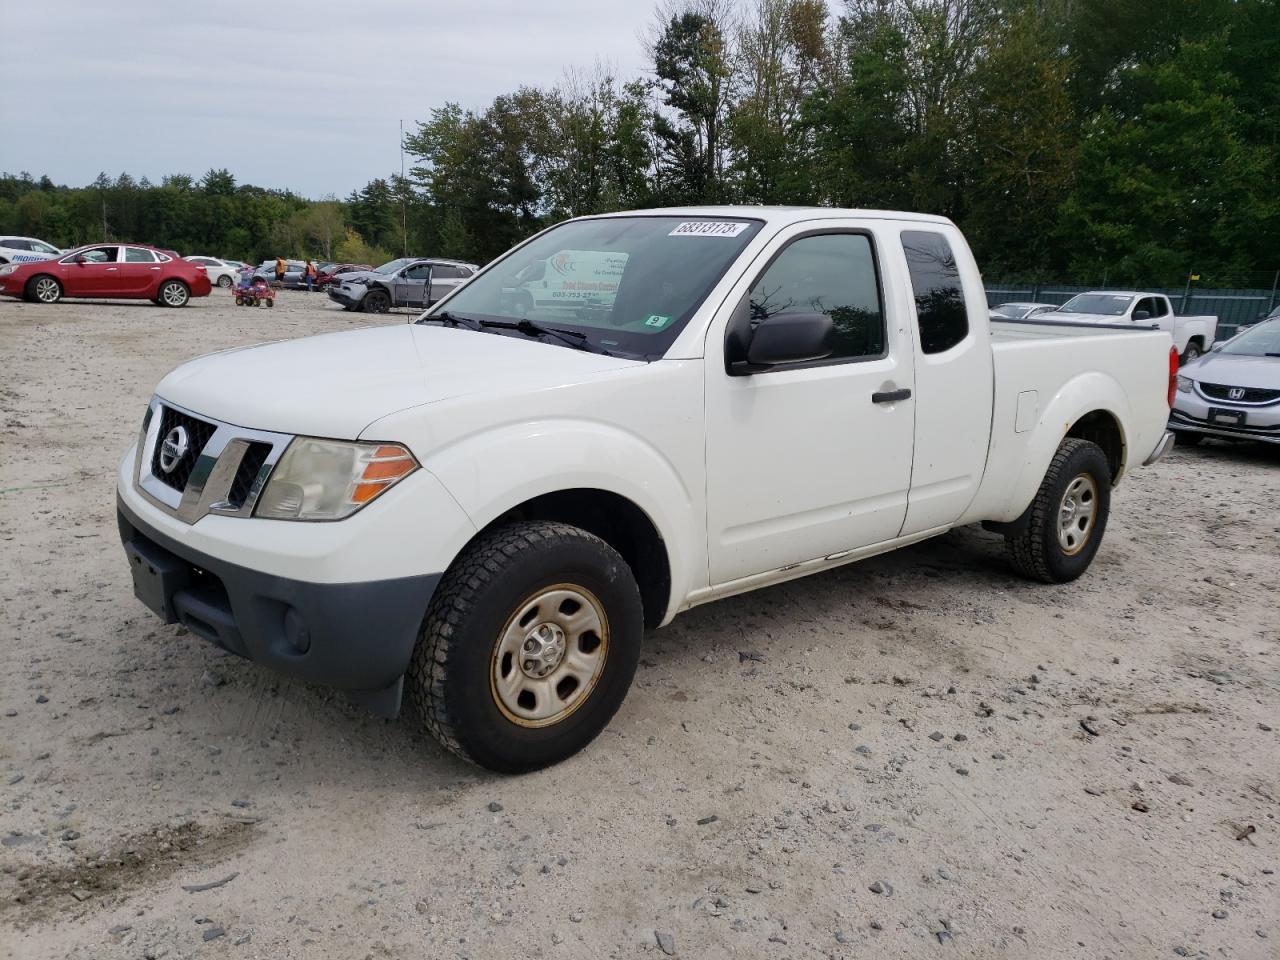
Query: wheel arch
x=617, y=521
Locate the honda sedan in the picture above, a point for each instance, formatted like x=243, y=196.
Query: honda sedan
x=1233, y=391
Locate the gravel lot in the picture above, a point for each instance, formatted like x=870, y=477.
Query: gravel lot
x=913, y=756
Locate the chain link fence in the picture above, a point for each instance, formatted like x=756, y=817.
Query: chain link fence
x=1233, y=306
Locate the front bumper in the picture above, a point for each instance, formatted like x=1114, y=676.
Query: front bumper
x=355, y=636
x=347, y=298
x=1194, y=413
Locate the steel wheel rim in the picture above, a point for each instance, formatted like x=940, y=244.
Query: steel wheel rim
x=174, y=295
x=1077, y=512
x=224, y=281
x=46, y=290
x=549, y=656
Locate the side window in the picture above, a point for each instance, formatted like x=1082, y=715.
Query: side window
x=98, y=254
x=1159, y=306
x=446, y=272
x=16, y=244
x=831, y=273
x=935, y=282
x=419, y=271
x=39, y=247
x=136, y=255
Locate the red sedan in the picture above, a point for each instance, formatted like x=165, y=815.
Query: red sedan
x=125, y=271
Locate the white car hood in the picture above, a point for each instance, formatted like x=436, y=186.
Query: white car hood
x=1232, y=370
x=337, y=384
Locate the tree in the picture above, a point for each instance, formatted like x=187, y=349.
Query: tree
x=353, y=249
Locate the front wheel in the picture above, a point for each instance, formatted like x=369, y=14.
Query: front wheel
x=173, y=293
x=44, y=289
x=1068, y=516
x=528, y=647
x=375, y=301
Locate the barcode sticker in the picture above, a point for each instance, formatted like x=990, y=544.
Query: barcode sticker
x=708, y=228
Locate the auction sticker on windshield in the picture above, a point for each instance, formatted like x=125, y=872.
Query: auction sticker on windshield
x=708, y=228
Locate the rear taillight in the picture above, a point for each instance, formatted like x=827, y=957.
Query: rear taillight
x=1173, y=373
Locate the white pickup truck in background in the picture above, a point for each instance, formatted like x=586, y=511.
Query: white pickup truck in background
x=1191, y=335
x=491, y=505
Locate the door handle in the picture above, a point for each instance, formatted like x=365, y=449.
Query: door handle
x=154, y=268
x=891, y=396
x=112, y=269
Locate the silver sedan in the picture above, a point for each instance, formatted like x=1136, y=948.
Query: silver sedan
x=1233, y=391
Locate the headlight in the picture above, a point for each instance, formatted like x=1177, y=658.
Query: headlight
x=330, y=480
x=7, y=269
x=1184, y=384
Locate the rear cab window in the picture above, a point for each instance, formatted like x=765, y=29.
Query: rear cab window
x=941, y=315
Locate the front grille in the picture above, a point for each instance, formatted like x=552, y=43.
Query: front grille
x=250, y=464
x=198, y=434
x=1220, y=391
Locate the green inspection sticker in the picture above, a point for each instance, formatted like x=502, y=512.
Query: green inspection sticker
x=657, y=321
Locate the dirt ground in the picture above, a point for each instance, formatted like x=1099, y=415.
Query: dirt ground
x=915, y=756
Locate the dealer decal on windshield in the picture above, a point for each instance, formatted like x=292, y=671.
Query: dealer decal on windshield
x=708, y=228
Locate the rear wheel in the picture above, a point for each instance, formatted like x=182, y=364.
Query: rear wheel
x=528, y=647
x=224, y=281
x=1192, y=352
x=173, y=293
x=376, y=301
x=44, y=289
x=1068, y=516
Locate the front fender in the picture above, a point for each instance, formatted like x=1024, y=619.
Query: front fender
x=1024, y=470
x=493, y=472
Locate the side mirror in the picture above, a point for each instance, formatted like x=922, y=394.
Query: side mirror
x=1139, y=315
x=791, y=338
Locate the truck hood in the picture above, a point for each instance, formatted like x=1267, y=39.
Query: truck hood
x=1232, y=370
x=337, y=384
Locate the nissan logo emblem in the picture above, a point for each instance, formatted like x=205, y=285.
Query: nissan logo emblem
x=1236, y=393
x=173, y=448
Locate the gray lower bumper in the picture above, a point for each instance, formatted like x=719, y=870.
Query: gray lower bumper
x=355, y=636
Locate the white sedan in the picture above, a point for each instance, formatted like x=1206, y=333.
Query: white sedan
x=223, y=273
x=26, y=250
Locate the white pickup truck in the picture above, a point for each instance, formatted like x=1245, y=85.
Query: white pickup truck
x=490, y=507
x=1191, y=335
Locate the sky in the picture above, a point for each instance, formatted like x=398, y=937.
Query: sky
x=307, y=95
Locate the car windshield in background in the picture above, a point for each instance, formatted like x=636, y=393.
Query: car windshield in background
x=627, y=285
x=394, y=265
x=1262, y=340
x=1105, y=304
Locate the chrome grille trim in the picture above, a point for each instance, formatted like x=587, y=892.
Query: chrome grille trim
x=208, y=489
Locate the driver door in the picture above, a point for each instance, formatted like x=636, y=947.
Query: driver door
x=810, y=459
x=93, y=272
x=412, y=286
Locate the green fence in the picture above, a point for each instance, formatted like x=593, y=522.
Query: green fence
x=1232, y=307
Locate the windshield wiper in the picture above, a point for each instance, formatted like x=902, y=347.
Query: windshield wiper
x=453, y=320
x=572, y=337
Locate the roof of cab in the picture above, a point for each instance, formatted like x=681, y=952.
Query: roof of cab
x=782, y=215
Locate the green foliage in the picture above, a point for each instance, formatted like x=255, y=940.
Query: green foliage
x=1133, y=139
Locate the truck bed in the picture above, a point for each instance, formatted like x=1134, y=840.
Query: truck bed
x=1041, y=366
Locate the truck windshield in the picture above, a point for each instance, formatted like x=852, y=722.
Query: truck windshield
x=1262, y=340
x=1105, y=304
x=628, y=285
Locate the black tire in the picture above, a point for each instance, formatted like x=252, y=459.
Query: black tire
x=173, y=293
x=1038, y=552
x=452, y=676
x=43, y=288
x=1192, y=352
x=375, y=301
x=271, y=303
x=224, y=281
x=239, y=301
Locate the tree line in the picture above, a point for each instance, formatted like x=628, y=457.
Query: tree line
x=1135, y=140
